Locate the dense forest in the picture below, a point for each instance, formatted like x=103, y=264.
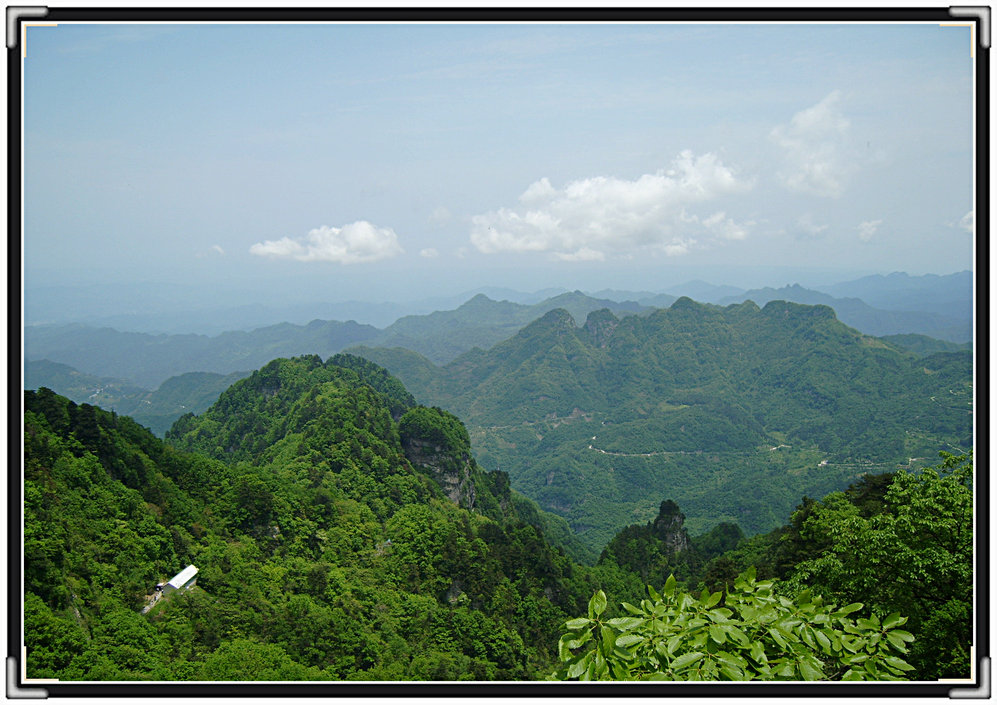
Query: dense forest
x=344, y=532
x=734, y=412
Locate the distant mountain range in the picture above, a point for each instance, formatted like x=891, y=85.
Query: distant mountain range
x=191, y=392
x=936, y=306
x=147, y=360
x=861, y=316
x=707, y=404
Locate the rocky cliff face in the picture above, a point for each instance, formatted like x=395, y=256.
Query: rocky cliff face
x=451, y=471
x=668, y=527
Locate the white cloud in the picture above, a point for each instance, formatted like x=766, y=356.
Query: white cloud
x=351, y=244
x=807, y=229
x=968, y=222
x=814, y=147
x=601, y=216
x=867, y=229
x=429, y=252
x=218, y=249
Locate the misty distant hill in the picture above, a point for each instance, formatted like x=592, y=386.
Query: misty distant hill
x=192, y=392
x=147, y=360
x=860, y=315
x=481, y=323
x=949, y=295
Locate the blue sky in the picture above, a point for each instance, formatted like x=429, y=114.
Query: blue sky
x=384, y=161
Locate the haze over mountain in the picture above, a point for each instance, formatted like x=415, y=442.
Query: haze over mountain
x=146, y=360
x=191, y=392
x=858, y=314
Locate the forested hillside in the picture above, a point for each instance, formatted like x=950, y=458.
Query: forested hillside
x=735, y=412
x=952, y=323
x=899, y=545
x=340, y=532
x=481, y=323
x=191, y=392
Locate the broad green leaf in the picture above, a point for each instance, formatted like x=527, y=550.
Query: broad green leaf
x=713, y=600
x=601, y=667
x=731, y=659
x=757, y=653
x=906, y=636
x=717, y=634
x=735, y=634
x=686, y=660
x=576, y=669
x=732, y=672
x=893, y=620
x=898, y=663
x=608, y=640
x=898, y=643
x=848, y=609
x=620, y=672
x=631, y=609
x=625, y=623
x=674, y=643
x=823, y=640
x=563, y=652
x=576, y=624
x=629, y=639
x=669, y=588
x=597, y=604
x=720, y=615
x=809, y=673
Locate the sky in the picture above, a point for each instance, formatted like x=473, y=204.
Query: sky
x=394, y=161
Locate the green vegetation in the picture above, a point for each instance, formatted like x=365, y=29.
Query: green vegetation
x=192, y=392
x=923, y=345
x=748, y=633
x=481, y=323
x=733, y=412
x=344, y=531
x=890, y=544
x=322, y=552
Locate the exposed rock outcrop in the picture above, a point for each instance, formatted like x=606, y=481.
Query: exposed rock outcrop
x=451, y=471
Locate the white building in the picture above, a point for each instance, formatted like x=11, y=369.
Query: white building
x=184, y=580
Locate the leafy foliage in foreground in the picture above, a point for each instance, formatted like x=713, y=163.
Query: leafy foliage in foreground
x=751, y=633
x=916, y=555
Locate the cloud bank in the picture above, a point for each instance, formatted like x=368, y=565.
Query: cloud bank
x=968, y=222
x=814, y=147
x=355, y=243
x=593, y=218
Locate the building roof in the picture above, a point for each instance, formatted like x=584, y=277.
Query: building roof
x=183, y=577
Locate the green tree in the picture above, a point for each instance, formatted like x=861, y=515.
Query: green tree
x=923, y=542
x=751, y=633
